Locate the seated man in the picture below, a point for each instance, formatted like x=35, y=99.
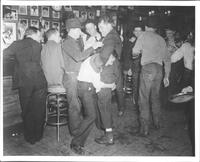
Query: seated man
x=52, y=60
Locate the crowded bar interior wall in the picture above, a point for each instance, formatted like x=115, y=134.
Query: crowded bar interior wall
x=17, y=18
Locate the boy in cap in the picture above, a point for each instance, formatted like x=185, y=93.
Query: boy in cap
x=73, y=57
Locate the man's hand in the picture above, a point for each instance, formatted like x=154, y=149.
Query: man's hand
x=113, y=86
x=110, y=60
x=166, y=81
x=97, y=45
x=187, y=89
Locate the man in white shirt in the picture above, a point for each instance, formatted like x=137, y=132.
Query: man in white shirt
x=186, y=51
x=88, y=86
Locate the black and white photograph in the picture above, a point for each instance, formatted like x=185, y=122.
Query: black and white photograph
x=22, y=26
x=56, y=25
x=55, y=14
x=34, y=23
x=91, y=15
x=76, y=13
x=46, y=25
x=83, y=15
x=10, y=14
x=34, y=11
x=8, y=34
x=119, y=85
x=45, y=11
x=23, y=10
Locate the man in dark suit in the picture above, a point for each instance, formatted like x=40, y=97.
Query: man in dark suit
x=30, y=80
x=73, y=56
x=112, y=46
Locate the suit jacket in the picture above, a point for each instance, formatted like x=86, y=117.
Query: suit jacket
x=73, y=55
x=111, y=45
x=27, y=69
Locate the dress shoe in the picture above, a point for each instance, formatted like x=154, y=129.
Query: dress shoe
x=120, y=113
x=106, y=139
x=77, y=149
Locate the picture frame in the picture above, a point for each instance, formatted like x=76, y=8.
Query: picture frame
x=91, y=15
x=98, y=13
x=56, y=25
x=34, y=10
x=46, y=25
x=34, y=23
x=83, y=15
x=45, y=11
x=76, y=13
x=55, y=14
x=23, y=10
x=22, y=26
x=11, y=16
x=67, y=8
x=9, y=34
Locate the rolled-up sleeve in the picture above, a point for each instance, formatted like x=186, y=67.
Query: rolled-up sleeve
x=138, y=46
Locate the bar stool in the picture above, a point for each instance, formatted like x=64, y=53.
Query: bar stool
x=56, y=108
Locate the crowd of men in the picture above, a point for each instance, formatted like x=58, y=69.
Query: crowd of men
x=87, y=66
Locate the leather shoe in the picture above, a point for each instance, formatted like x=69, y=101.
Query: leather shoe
x=120, y=113
x=105, y=140
x=77, y=149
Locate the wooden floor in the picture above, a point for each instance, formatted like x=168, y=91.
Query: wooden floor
x=171, y=140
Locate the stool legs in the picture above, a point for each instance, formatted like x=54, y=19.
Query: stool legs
x=56, y=115
x=58, y=119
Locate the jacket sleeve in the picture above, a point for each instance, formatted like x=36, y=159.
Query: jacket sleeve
x=10, y=51
x=107, y=49
x=166, y=60
x=74, y=52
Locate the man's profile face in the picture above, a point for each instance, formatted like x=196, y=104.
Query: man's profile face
x=137, y=31
x=103, y=28
x=90, y=29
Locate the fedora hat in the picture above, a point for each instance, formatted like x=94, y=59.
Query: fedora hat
x=73, y=23
x=96, y=63
x=152, y=22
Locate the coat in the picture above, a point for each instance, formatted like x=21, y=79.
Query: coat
x=27, y=68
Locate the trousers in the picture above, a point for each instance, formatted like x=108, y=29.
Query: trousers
x=149, y=92
x=88, y=98
x=32, y=100
x=104, y=105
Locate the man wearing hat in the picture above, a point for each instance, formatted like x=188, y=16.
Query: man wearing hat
x=153, y=54
x=73, y=57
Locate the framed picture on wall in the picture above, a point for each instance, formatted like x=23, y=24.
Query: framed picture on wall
x=46, y=25
x=76, y=13
x=83, y=15
x=9, y=33
x=12, y=15
x=91, y=15
x=45, y=11
x=35, y=23
x=23, y=10
x=68, y=8
x=22, y=26
x=56, y=25
x=34, y=11
x=56, y=14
